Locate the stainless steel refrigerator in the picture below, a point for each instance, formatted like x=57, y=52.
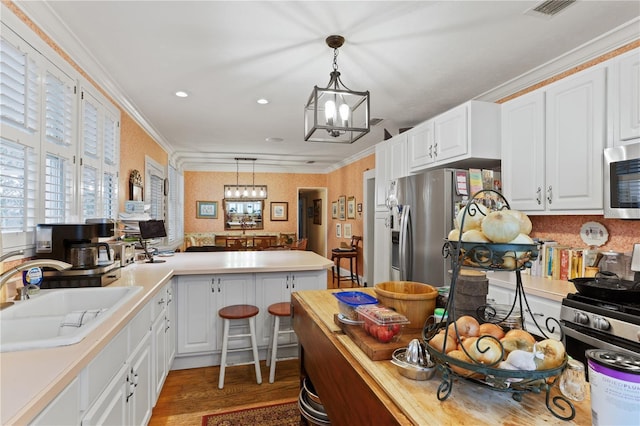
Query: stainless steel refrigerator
x=423, y=214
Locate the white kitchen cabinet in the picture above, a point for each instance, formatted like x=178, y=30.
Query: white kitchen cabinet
x=382, y=247
x=624, y=98
x=569, y=180
x=398, y=156
x=276, y=287
x=63, y=410
x=468, y=131
x=163, y=337
x=539, y=308
x=126, y=399
x=383, y=159
x=199, y=299
x=421, y=153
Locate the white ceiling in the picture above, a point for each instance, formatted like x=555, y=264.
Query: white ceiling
x=417, y=58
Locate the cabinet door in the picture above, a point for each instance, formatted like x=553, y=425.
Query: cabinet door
x=398, y=157
x=197, y=314
x=575, y=139
x=160, y=367
x=63, y=410
x=500, y=295
x=629, y=96
x=140, y=385
x=382, y=174
x=382, y=247
x=541, y=309
x=420, y=146
x=523, y=152
x=234, y=289
x=111, y=406
x=170, y=324
x=450, y=133
x=271, y=288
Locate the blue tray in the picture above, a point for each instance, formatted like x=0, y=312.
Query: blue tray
x=355, y=298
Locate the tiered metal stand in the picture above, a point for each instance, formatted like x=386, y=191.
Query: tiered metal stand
x=503, y=257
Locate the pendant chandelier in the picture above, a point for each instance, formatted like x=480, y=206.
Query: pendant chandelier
x=336, y=113
x=253, y=191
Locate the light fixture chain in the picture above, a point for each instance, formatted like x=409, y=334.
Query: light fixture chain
x=335, y=59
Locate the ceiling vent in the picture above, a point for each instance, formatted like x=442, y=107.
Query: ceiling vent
x=549, y=8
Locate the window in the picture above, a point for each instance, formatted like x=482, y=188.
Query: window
x=154, y=189
x=18, y=170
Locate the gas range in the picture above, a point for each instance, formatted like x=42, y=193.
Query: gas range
x=590, y=323
x=98, y=276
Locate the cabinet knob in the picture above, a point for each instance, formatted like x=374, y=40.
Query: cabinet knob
x=435, y=149
x=539, y=195
x=549, y=194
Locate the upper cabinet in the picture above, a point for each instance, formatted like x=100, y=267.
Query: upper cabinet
x=624, y=99
x=470, y=131
x=552, y=144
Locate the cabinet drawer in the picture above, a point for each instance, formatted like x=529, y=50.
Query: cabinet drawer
x=541, y=309
x=158, y=304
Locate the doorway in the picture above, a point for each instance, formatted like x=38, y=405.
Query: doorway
x=312, y=218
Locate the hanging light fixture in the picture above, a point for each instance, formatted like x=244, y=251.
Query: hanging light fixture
x=250, y=191
x=336, y=113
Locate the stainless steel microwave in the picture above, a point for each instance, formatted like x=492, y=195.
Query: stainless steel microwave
x=622, y=182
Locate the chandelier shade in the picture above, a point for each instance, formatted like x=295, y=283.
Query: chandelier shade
x=335, y=113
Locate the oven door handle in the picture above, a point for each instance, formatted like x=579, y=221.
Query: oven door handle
x=596, y=343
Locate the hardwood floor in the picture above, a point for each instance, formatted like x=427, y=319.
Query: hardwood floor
x=188, y=395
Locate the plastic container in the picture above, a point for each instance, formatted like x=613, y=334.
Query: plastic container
x=348, y=301
x=414, y=300
x=381, y=323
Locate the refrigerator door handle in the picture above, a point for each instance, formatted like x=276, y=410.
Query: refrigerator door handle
x=406, y=245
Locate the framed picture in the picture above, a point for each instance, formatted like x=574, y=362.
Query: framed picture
x=317, y=212
x=347, y=230
x=334, y=210
x=279, y=210
x=342, y=201
x=339, y=230
x=351, y=208
x=206, y=209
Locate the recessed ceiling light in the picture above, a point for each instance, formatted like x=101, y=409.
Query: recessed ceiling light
x=274, y=140
x=262, y=101
x=181, y=94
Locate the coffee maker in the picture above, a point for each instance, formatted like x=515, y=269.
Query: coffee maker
x=77, y=244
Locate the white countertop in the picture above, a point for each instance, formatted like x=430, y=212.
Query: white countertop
x=29, y=380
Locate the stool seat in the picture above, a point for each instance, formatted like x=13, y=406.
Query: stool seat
x=282, y=309
x=238, y=311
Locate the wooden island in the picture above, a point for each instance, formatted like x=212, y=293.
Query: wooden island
x=356, y=390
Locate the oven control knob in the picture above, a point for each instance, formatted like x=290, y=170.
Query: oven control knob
x=601, y=324
x=581, y=318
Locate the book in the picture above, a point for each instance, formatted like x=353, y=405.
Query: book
x=564, y=268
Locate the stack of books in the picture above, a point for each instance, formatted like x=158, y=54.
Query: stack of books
x=558, y=262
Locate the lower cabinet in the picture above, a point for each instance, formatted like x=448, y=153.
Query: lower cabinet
x=63, y=410
x=546, y=312
x=163, y=338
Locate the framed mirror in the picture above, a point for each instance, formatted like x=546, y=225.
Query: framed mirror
x=135, y=186
x=243, y=214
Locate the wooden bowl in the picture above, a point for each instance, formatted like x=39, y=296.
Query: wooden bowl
x=414, y=300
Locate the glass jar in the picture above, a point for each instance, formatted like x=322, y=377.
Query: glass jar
x=572, y=381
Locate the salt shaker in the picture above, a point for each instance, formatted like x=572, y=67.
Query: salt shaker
x=572, y=381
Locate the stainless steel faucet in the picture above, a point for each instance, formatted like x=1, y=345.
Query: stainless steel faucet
x=50, y=263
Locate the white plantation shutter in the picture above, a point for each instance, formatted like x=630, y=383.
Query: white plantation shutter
x=172, y=205
x=89, y=192
x=157, y=197
x=20, y=92
x=109, y=195
x=18, y=171
x=59, y=109
x=58, y=189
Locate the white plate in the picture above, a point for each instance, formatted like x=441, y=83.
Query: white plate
x=594, y=234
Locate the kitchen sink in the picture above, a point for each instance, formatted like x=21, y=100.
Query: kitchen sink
x=59, y=317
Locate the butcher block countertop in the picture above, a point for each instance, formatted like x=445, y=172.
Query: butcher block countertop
x=415, y=402
x=31, y=379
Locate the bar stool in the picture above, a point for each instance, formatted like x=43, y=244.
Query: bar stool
x=350, y=253
x=277, y=310
x=238, y=312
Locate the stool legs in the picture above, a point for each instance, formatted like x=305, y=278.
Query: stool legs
x=274, y=349
x=223, y=360
x=225, y=347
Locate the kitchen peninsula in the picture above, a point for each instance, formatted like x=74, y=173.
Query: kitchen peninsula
x=34, y=380
x=356, y=390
